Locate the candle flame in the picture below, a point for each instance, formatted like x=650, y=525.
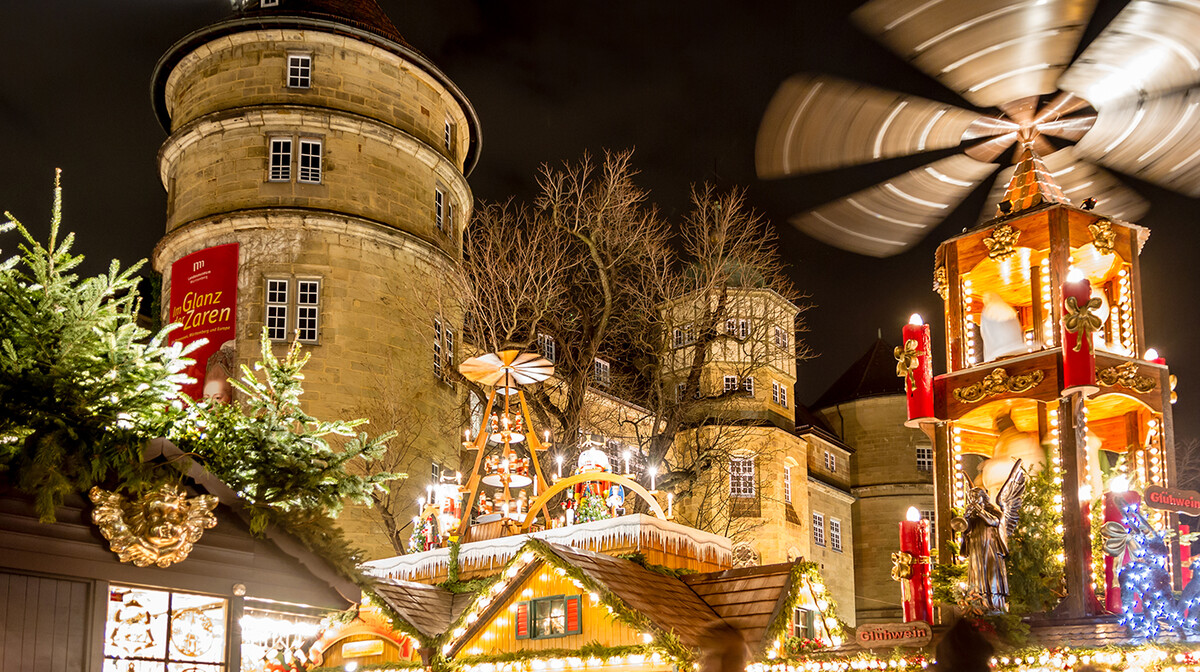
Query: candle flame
x=1151, y=354
x=1074, y=275
x=913, y=514
x=916, y=320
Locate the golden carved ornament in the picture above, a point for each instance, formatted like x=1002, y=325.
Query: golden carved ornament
x=907, y=359
x=158, y=528
x=1126, y=375
x=1002, y=242
x=902, y=562
x=998, y=382
x=1103, y=236
x=940, y=283
x=1174, y=381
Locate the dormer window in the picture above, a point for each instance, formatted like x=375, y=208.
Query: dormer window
x=269, y=3
x=299, y=71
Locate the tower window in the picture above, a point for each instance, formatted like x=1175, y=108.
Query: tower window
x=286, y=296
x=308, y=293
x=737, y=328
x=439, y=209
x=787, y=483
x=281, y=160
x=741, y=477
x=545, y=345
x=830, y=462
x=925, y=458
x=603, y=372
x=748, y=385
x=299, y=71
x=781, y=337
x=680, y=392
x=448, y=135
x=779, y=393
x=450, y=216
x=731, y=384
x=277, y=309
x=835, y=534
x=310, y=161
x=443, y=349
x=818, y=528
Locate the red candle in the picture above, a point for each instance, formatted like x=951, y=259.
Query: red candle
x=1079, y=359
x=1112, y=566
x=918, y=384
x=914, y=540
x=1153, y=358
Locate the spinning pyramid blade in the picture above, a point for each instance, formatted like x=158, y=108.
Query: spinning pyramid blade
x=1150, y=48
x=990, y=52
x=1157, y=140
x=1078, y=180
x=817, y=123
x=889, y=218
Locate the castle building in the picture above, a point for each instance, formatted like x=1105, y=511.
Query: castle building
x=335, y=156
x=891, y=471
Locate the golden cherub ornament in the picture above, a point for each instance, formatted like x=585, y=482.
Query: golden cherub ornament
x=158, y=528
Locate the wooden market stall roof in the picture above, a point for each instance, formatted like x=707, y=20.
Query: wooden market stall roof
x=665, y=600
x=427, y=608
x=748, y=598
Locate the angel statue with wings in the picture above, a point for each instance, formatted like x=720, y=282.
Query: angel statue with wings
x=985, y=529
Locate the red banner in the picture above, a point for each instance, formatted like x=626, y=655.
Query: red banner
x=204, y=301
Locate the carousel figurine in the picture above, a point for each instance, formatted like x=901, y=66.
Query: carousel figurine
x=568, y=506
x=616, y=500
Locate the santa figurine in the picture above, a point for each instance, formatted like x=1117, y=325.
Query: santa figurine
x=568, y=506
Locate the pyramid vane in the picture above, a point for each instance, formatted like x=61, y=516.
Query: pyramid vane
x=1031, y=185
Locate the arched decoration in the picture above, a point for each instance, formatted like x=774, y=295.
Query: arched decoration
x=605, y=477
x=332, y=636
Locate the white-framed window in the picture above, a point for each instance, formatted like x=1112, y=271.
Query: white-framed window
x=545, y=346
x=738, y=328
x=818, y=528
x=835, y=534
x=683, y=335
x=680, y=392
x=787, y=483
x=448, y=135
x=677, y=338
x=439, y=208
x=299, y=71
x=449, y=215
x=781, y=337
x=277, y=309
x=731, y=384
x=925, y=458
x=804, y=623
x=308, y=308
x=437, y=349
x=293, y=296
x=927, y=514
x=748, y=385
x=830, y=462
x=310, y=161
x=269, y=3
x=741, y=477
x=443, y=349
x=779, y=393
x=151, y=629
x=603, y=372
x=281, y=160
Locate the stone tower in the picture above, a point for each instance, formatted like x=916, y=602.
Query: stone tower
x=335, y=155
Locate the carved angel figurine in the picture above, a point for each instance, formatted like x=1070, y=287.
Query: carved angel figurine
x=985, y=529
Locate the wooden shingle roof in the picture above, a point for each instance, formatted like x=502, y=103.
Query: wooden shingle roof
x=427, y=608
x=666, y=601
x=748, y=598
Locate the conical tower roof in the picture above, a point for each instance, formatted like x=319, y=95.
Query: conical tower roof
x=362, y=14
x=1031, y=185
x=873, y=375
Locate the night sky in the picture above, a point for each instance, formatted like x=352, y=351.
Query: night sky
x=683, y=82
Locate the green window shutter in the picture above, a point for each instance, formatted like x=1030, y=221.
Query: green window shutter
x=522, y=620
x=574, y=609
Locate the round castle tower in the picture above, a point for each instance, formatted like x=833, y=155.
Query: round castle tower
x=335, y=155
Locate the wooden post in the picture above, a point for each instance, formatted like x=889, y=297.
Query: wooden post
x=955, y=359
x=1077, y=538
x=943, y=483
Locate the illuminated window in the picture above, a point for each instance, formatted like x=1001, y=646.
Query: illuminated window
x=310, y=161
x=787, y=483
x=741, y=477
x=281, y=160
x=548, y=617
x=269, y=3
x=545, y=345
x=299, y=71
x=804, y=623
x=818, y=528
x=603, y=372
x=162, y=630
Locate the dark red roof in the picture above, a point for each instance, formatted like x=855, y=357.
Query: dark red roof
x=362, y=14
x=873, y=375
